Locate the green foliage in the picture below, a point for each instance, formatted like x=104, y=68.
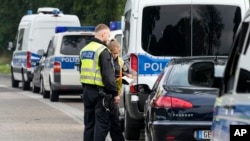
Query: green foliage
x=90, y=12
x=5, y=62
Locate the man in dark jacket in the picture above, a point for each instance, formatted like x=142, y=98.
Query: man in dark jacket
x=98, y=78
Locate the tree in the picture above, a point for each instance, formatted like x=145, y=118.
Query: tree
x=90, y=12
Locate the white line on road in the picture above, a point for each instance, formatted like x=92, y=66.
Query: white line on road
x=74, y=113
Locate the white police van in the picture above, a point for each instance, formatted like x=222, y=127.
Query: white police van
x=232, y=106
x=156, y=31
x=231, y=114
x=34, y=33
x=60, y=74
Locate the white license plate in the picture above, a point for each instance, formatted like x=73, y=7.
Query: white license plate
x=203, y=134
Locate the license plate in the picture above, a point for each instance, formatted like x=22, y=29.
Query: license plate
x=203, y=134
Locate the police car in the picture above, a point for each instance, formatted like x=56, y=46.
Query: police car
x=116, y=31
x=60, y=74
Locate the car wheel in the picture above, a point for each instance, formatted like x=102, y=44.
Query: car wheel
x=131, y=132
x=34, y=88
x=25, y=84
x=14, y=83
x=54, y=95
x=45, y=93
x=148, y=130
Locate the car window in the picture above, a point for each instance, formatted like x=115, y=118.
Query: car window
x=178, y=76
x=72, y=44
x=162, y=75
x=50, y=50
x=243, y=85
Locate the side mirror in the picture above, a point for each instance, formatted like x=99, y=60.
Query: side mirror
x=10, y=46
x=202, y=74
x=143, y=88
x=40, y=52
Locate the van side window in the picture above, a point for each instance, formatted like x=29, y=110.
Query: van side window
x=247, y=45
x=126, y=33
x=20, y=39
x=192, y=30
x=243, y=85
x=229, y=76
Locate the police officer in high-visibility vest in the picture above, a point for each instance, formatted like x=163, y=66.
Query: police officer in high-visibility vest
x=98, y=80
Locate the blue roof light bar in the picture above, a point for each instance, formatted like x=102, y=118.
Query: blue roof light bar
x=115, y=25
x=60, y=29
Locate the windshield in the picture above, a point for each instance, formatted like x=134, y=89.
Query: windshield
x=184, y=30
x=72, y=44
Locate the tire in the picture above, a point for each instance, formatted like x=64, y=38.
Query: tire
x=14, y=83
x=148, y=133
x=34, y=88
x=45, y=93
x=25, y=84
x=131, y=132
x=54, y=95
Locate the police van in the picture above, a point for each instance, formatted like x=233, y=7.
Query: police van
x=34, y=33
x=231, y=118
x=156, y=31
x=60, y=74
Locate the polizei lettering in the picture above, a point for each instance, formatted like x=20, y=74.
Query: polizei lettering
x=154, y=66
x=70, y=59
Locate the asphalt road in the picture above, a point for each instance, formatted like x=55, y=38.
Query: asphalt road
x=25, y=116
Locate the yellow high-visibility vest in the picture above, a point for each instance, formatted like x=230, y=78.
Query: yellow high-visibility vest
x=90, y=69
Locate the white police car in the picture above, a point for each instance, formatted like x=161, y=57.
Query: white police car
x=60, y=74
x=116, y=31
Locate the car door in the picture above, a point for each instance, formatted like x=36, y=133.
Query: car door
x=48, y=65
x=232, y=103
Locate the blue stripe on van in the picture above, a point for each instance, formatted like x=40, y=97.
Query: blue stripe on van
x=20, y=59
x=149, y=65
x=67, y=62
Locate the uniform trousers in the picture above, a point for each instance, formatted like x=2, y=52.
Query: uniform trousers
x=97, y=121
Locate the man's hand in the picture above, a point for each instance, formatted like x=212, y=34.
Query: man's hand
x=117, y=99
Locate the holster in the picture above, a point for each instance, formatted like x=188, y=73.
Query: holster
x=107, y=100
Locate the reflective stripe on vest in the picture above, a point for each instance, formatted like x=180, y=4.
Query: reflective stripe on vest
x=90, y=69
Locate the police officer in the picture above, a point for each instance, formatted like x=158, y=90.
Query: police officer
x=97, y=74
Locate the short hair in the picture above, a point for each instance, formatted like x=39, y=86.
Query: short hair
x=113, y=43
x=101, y=27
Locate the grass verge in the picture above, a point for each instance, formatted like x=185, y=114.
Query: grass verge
x=5, y=63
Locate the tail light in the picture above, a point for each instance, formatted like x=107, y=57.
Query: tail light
x=57, y=67
x=134, y=68
x=28, y=60
x=171, y=102
x=132, y=89
x=134, y=62
x=170, y=138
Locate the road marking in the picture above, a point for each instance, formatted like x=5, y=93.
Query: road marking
x=73, y=113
